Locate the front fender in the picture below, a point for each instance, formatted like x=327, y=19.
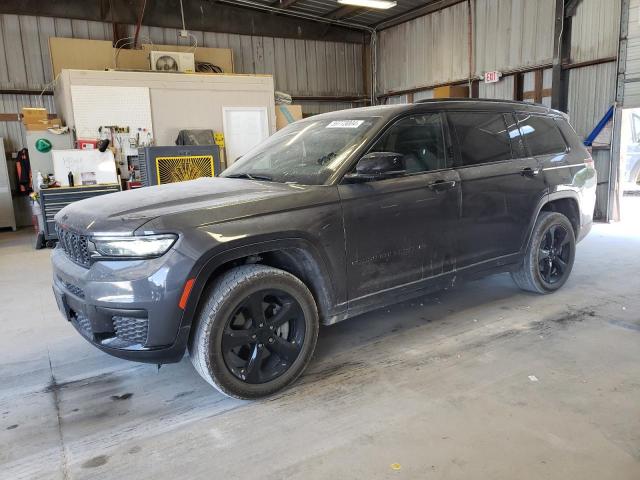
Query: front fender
x=214, y=259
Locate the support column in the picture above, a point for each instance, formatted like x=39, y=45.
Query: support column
x=562, y=52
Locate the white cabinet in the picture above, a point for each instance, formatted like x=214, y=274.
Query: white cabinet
x=176, y=101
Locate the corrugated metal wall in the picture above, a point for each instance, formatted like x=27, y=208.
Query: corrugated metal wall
x=428, y=50
x=300, y=67
x=591, y=93
x=502, y=90
x=602, y=161
x=508, y=34
x=632, y=69
x=594, y=35
x=511, y=34
x=594, y=30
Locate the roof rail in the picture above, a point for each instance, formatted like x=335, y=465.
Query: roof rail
x=489, y=100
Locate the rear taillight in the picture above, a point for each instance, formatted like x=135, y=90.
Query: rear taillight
x=588, y=162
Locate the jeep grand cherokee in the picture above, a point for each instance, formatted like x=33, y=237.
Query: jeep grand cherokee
x=333, y=216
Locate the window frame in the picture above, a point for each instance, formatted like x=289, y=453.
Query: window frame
x=456, y=145
x=521, y=147
x=552, y=119
x=446, y=138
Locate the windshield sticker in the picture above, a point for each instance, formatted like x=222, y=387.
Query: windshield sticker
x=345, y=124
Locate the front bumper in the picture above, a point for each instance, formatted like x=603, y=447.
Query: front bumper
x=128, y=309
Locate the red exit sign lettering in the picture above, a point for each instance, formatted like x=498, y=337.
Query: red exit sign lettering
x=492, y=77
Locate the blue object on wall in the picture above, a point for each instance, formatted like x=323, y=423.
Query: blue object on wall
x=599, y=127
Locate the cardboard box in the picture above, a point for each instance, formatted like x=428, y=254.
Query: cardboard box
x=128, y=59
x=43, y=124
x=34, y=115
x=286, y=114
x=451, y=91
x=80, y=54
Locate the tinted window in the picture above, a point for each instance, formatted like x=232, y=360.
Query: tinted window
x=569, y=134
x=481, y=137
x=541, y=134
x=419, y=139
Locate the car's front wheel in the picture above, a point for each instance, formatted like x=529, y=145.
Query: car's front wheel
x=255, y=333
x=549, y=257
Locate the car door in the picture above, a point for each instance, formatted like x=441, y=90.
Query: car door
x=500, y=184
x=398, y=231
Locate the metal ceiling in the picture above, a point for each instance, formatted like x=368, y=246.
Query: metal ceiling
x=302, y=19
x=367, y=17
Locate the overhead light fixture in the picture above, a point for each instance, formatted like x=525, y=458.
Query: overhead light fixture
x=379, y=4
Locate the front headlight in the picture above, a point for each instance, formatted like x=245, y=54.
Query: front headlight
x=147, y=246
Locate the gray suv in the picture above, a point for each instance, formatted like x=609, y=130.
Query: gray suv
x=331, y=217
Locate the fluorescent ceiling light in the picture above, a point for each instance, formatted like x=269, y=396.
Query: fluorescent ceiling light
x=381, y=4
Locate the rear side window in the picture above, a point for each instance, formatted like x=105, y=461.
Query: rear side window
x=541, y=134
x=481, y=137
x=569, y=133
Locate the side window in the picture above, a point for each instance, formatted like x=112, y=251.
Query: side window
x=420, y=140
x=481, y=137
x=541, y=134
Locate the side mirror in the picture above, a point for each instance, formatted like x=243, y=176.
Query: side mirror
x=378, y=165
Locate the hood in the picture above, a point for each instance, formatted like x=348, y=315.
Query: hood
x=123, y=212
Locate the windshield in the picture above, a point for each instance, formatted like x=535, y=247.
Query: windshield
x=305, y=152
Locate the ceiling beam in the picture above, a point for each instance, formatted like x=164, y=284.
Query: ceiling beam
x=421, y=11
x=200, y=15
x=344, y=11
x=284, y=3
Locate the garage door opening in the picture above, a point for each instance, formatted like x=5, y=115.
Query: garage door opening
x=630, y=165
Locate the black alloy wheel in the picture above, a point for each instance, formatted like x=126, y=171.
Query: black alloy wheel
x=554, y=254
x=263, y=336
x=255, y=332
x=548, y=260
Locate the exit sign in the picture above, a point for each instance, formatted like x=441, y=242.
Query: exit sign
x=492, y=77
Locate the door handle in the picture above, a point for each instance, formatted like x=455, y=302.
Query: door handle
x=529, y=172
x=441, y=185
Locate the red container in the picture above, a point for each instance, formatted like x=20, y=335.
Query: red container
x=86, y=144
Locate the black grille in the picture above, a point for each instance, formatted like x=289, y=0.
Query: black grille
x=131, y=329
x=74, y=245
x=84, y=324
x=77, y=291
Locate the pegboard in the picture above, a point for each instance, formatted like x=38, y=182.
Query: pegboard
x=96, y=106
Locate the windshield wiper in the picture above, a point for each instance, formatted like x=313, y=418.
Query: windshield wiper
x=251, y=176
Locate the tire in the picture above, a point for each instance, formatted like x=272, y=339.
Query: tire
x=266, y=340
x=545, y=266
x=40, y=241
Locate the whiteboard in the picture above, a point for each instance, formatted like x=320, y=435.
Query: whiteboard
x=244, y=128
x=84, y=161
x=95, y=106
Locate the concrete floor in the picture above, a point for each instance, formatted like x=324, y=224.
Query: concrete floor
x=480, y=382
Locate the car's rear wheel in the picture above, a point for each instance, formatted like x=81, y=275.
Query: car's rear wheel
x=549, y=257
x=256, y=332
